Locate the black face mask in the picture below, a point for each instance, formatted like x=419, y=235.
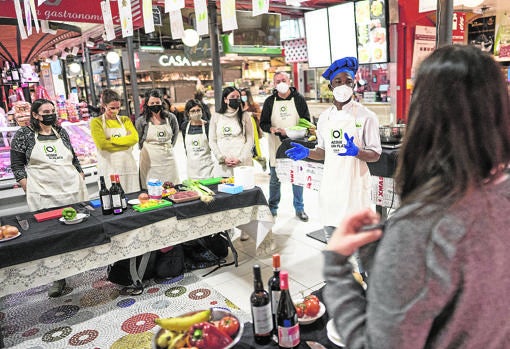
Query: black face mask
x=234, y=103
x=155, y=108
x=49, y=119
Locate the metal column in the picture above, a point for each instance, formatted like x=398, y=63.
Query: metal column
x=444, y=15
x=215, y=53
x=91, y=77
x=132, y=73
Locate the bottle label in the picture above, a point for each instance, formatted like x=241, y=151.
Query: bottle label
x=262, y=319
x=107, y=204
x=124, y=203
x=288, y=337
x=275, y=299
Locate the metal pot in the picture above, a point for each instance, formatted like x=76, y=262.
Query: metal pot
x=392, y=134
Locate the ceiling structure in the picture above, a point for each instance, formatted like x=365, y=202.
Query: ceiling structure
x=68, y=36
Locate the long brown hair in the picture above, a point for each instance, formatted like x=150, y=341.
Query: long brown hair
x=458, y=135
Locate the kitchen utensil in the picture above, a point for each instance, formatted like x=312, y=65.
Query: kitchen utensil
x=160, y=204
x=315, y=345
x=44, y=216
x=23, y=223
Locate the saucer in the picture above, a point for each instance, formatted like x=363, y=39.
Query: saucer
x=333, y=336
x=78, y=219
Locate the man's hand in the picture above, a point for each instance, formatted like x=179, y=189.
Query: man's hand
x=350, y=148
x=297, y=152
x=346, y=239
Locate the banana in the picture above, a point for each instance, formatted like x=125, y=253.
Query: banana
x=312, y=138
x=178, y=341
x=164, y=339
x=183, y=323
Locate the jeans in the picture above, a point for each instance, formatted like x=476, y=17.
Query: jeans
x=275, y=194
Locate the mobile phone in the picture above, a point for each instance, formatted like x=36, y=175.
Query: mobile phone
x=372, y=227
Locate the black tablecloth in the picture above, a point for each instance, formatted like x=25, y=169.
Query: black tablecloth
x=52, y=237
x=313, y=332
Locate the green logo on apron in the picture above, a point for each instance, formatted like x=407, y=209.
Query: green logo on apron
x=195, y=143
x=50, y=149
x=116, y=135
x=161, y=134
x=336, y=134
x=227, y=131
x=283, y=108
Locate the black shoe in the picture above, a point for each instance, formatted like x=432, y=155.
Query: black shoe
x=57, y=288
x=302, y=215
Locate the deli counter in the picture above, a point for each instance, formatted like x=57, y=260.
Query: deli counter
x=12, y=197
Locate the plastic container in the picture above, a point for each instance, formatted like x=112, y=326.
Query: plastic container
x=155, y=189
x=230, y=188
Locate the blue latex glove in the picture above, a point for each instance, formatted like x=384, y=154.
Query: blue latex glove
x=297, y=152
x=350, y=148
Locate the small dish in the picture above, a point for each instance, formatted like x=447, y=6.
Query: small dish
x=10, y=238
x=134, y=202
x=306, y=320
x=78, y=219
x=333, y=335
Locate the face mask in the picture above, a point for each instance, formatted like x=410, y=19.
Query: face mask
x=244, y=98
x=234, y=103
x=49, y=119
x=195, y=116
x=282, y=87
x=342, y=93
x=155, y=108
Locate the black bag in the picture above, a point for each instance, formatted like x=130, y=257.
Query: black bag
x=133, y=271
x=208, y=251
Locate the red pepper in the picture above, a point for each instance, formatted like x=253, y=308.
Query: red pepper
x=205, y=335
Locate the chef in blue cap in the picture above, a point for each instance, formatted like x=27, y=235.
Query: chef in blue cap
x=347, y=138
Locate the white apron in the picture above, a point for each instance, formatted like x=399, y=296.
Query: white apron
x=52, y=179
x=157, y=155
x=283, y=115
x=198, y=152
x=345, y=186
x=231, y=140
x=120, y=162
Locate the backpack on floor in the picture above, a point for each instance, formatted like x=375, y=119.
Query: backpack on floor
x=206, y=252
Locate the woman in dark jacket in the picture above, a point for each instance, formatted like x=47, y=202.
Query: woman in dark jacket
x=158, y=130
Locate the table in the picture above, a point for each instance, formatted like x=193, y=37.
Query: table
x=61, y=251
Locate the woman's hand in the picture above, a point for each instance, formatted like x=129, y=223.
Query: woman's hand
x=346, y=239
x=23, y=184
x=232, y=162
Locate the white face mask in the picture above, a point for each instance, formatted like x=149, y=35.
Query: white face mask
x=282, y=88
x=342, y=93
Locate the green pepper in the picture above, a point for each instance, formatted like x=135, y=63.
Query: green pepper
x=205, y=335
x=69, y=213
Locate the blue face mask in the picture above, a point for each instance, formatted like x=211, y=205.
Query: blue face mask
x=244, y=98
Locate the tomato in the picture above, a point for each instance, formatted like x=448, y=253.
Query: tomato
x=300, y=309
x=312, y=298
x=312, y=308
x=229, y=325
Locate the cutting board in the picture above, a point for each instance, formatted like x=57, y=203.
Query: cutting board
x=163, y=203
x=210, y=181
x=44, y=216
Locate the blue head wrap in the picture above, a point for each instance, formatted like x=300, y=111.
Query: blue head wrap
x=347, y=64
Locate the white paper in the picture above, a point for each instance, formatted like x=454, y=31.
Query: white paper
x=40, y=2
x=148, y=20
x=174, y=5
x=28, y=16
x=19, y=17
x=107, y=20
x=126, y=17
x=431, y=5
x=34, y=15
x=228, y=15
x=201, y=17
x=259, y=7
x=424, y=45
x=176, y=25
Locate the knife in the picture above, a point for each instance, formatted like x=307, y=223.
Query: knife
x=315, y=345
x=23, y=223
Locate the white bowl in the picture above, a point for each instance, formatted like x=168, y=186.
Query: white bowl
x=78, y=219
x=295, y=134
x=306, y=320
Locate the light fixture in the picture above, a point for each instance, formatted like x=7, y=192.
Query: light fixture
x=472, y=3
x=190, y=37
x=152, y=49
x=112, y=57
x=74, y=68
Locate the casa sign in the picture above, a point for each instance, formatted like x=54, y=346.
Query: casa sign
x=180, y=61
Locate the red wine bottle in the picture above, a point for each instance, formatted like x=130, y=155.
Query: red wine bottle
x=104, y=195
x=260, y=310
x=116, y=196
x=286, y=316
x=123, y=198
x=274, y=289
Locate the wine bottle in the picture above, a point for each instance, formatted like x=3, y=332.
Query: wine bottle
x=273, y=286
x=286, y=316
x=260, y=310
x=116, y=196
x=122, y=193
x=106, y=199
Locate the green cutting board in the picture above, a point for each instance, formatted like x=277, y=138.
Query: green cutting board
x=210, y=181
x=163, y=203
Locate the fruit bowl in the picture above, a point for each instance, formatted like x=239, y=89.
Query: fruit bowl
x=216, y=315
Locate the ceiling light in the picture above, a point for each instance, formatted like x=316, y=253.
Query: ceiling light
x=472, y=3
x=112, y=57
x=74, y=68
x=190, y=37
